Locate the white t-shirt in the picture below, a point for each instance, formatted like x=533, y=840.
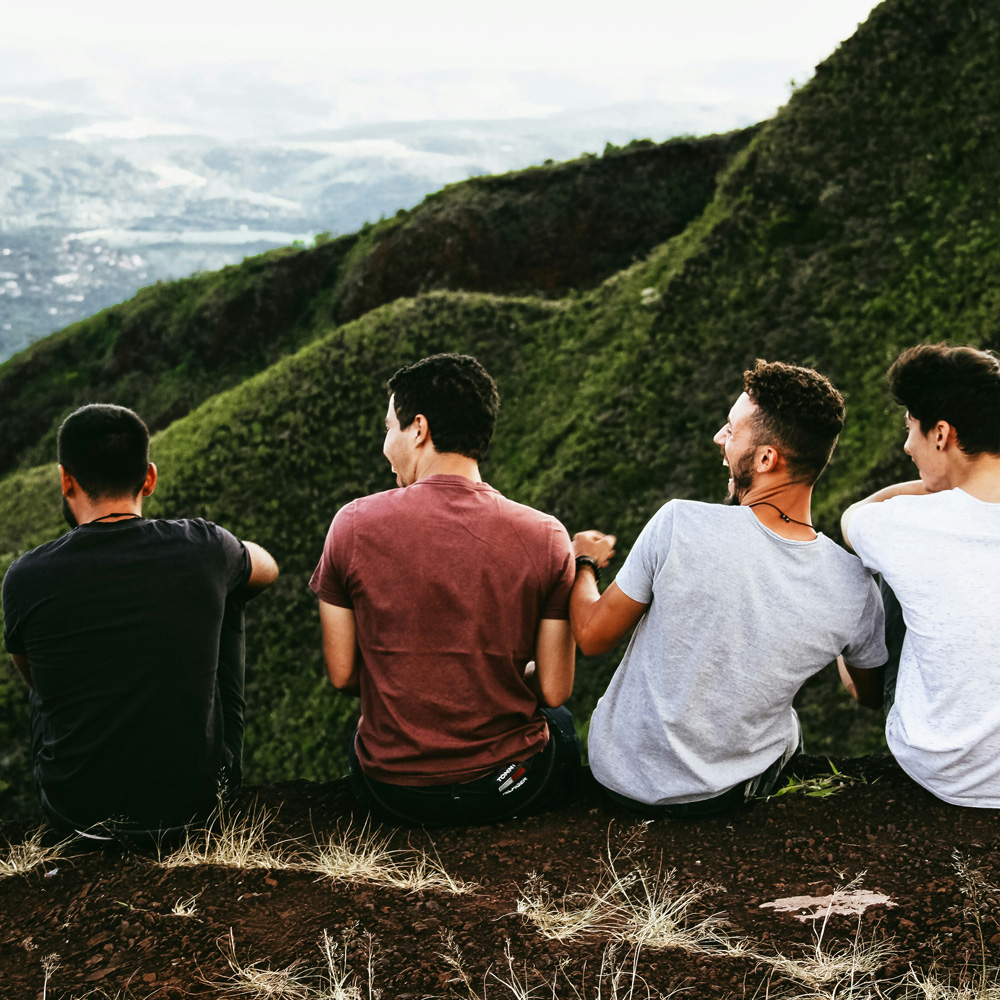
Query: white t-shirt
x=738, y=619
x=940, y=554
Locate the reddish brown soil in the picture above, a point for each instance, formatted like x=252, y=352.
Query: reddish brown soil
x=107, y=915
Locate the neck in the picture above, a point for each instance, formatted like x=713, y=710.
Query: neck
x=94, y=510
x=792, y=499
x=979, y=476
x=449, y=463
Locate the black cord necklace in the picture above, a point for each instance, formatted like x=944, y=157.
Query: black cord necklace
x=784, y=517
x=106, y=517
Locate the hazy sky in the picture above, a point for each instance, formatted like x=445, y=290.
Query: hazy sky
x=441, y=58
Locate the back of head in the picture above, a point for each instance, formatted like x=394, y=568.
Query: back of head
x=457, y=396
x=106, y=449
x=801, y=413
x=960, y=385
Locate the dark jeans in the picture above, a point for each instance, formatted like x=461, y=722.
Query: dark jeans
x=549, y=777
x=736, y=798
x=219, y=788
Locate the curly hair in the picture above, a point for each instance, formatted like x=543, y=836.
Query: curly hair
x=800, y=411
x=457, y=396
x=960, y=385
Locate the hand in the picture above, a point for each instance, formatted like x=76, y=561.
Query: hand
x=596, y=545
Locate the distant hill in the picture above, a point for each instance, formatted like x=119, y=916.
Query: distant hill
x=863, y=218
x=546, y=230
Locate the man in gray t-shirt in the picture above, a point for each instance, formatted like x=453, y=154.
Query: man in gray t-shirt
x=736, y=606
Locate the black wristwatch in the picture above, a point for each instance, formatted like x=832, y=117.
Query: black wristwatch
x=592, y=563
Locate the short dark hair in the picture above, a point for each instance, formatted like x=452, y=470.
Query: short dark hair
x=960, y=385
x=106, y=449
x=800, y=411
x=458, y=397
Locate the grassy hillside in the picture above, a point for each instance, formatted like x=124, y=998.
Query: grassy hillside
x=546, y=229
x=862, y=219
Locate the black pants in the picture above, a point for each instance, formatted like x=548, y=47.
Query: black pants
x=549, y=778
x=221, y=786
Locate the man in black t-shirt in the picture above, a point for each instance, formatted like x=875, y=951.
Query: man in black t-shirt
x=130, y=634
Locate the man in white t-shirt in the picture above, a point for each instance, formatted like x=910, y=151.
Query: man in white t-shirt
x=735, y=606
x=936, y=542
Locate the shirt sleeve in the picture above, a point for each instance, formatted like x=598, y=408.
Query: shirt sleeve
x=636, y=578
x=867, y=649
x=329, y=579
x=563, y=567
x=237, y=560
x=12, y=639
x=867, y=532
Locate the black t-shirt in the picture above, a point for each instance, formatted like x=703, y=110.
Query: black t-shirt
x=120, y=623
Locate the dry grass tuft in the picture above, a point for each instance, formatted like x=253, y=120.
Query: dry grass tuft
x=638, y=906
x=232, y=841
x=850, y=967
x=22, y=858
x=845, y=971
x=186, y=907
x=919, y=986
x=296, y=981
x=257, y=982
x=368, y=858
x=617, y=978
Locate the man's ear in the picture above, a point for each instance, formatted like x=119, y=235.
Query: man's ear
x=68, y=482
x=767, y=458
x=150, y=484
x=421, y=429
x=943, y=435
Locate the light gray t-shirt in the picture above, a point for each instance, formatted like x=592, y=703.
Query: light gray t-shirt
x=738, y=619
x=941, y=556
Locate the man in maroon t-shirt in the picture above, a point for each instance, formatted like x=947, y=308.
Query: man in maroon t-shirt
x=434, y=600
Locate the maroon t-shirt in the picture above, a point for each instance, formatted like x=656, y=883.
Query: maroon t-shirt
x=448, y=581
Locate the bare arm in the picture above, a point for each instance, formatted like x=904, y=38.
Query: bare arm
x=599, y=621
x=912, y=488
x=864, y=686
x=263, y=568
x=555, y=662
x=21, y=662
x=340, y=647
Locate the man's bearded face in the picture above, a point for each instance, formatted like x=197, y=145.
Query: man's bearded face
x=741, y=474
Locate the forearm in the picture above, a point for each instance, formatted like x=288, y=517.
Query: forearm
x=913, y=487
x=583, y=606
x=864, y=686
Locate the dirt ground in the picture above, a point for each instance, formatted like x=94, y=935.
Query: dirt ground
x=119, y=924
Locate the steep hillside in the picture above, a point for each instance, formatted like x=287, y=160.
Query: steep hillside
x=547, y=229
x=862, y=219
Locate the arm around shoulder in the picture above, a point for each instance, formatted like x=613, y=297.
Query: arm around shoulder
x=913, y=487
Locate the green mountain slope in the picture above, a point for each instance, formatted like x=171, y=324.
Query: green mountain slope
x=862, y=219
x=546, y=229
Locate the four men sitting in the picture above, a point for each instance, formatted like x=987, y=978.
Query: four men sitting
x=452, y=612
